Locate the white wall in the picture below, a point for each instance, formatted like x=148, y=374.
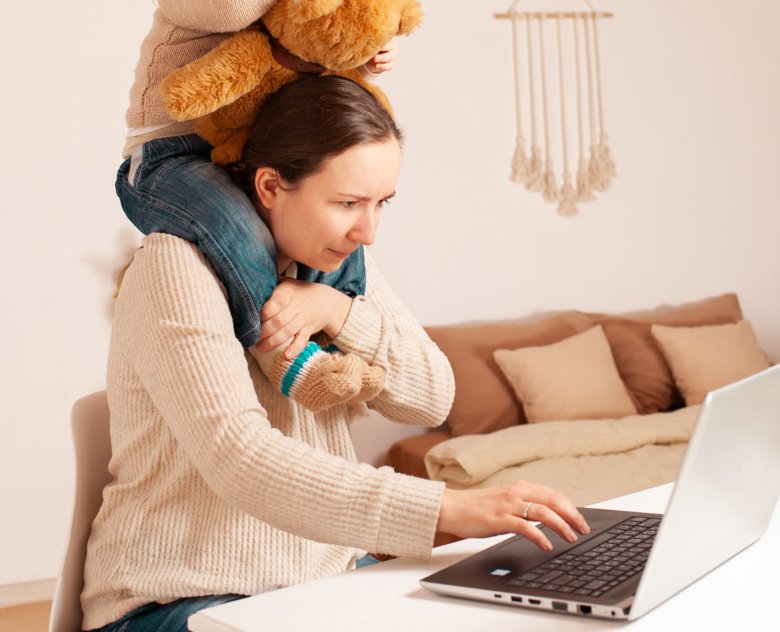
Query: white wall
x=692, y=91
x=66, y=73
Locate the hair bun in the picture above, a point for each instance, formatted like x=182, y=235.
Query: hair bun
x=236, y=171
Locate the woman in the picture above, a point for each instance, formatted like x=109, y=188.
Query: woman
x=225, y=488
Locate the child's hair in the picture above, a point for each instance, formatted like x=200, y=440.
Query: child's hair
x=309, y=120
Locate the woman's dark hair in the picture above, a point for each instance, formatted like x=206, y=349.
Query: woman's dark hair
x=309, y=120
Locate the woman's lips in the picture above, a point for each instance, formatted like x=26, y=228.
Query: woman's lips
x=338, y=253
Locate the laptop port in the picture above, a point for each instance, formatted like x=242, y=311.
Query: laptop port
x=516, y=599
x=586, y=610
x=535, y=602
x=560, y=606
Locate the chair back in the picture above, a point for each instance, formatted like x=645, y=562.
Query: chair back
x=92, y=443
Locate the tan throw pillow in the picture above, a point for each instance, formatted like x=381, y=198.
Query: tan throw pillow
x=484, y=400
x=575, y=378
x=705, y=358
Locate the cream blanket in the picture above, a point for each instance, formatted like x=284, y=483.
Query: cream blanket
x=589, y=460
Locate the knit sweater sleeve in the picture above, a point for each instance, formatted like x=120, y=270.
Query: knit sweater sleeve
x=183, y=349
x=420, y=386
x=214, y=16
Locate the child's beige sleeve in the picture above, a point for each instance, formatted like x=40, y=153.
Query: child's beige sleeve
x=214, y=16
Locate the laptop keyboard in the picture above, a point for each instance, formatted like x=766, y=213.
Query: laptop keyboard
x=597, y=570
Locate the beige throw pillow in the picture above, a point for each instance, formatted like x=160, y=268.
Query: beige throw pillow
x=575, y=378
x=484, y=400
x=708, y=357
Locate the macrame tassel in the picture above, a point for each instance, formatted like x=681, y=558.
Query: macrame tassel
x=606, y=164
x=603, y=169
x=535, y=178
x=584, y=186
x=567, y=196
x=593, y=172
x=550, y=191
x=521, y=166
x=520, y=163
x=535, y=181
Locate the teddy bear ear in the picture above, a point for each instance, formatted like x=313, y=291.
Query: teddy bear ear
x=300, y=11
x=411, y=16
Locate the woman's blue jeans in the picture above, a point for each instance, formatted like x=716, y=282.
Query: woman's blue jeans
x=171, y=617
x=176, y=189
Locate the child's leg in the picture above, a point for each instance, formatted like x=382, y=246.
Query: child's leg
x=177, y=190
x=350, y=278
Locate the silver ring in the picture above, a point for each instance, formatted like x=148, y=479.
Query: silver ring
x=526, y=510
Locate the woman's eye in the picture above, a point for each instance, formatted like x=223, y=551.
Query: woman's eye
x=348, y=203
x=383, y=203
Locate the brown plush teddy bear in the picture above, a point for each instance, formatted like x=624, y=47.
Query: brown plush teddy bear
x=225, y=89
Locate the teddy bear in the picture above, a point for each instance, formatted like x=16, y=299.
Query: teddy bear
x=224, y=90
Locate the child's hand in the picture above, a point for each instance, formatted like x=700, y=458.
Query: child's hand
x=384, y=60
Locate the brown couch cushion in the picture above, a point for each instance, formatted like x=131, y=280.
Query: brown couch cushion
x=407, y=455
x=708, y=311
x=484, y=400
x=640, y=364
x=638, y=358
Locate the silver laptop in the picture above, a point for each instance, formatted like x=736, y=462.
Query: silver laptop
x=726, y=491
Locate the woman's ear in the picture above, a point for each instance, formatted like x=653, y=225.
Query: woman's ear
x=267, y=186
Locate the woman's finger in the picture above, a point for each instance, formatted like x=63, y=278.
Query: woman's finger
x=558, y=503
x=277, y=302
x=541, y=513
x=299, y=343
x=528, y=530
x=279, y=330
x=288, y=332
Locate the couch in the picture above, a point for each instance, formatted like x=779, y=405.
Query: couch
x=597, y=405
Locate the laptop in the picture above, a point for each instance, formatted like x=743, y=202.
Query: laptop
x=726, y=491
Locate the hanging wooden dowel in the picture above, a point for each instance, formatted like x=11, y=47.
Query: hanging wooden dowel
x=550, y=16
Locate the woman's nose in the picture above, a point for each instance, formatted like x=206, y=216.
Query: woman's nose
x=364, y=230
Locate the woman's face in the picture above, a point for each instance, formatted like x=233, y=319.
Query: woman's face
x=330, y=213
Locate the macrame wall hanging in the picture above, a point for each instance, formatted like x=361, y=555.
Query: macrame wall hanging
x=560, y=106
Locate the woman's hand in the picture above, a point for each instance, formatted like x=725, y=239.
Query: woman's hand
x=298, y=310
x=384, y=60
x=510, y=508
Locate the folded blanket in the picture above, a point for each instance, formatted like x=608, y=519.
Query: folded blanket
x=470, y=459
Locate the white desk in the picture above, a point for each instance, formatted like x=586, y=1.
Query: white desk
x=388, y=598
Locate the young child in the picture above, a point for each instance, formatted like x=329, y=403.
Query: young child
x=168, y=184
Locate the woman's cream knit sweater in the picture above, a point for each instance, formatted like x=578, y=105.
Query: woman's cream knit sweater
x=221, y=484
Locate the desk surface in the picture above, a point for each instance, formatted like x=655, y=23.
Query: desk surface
x=388, y=596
